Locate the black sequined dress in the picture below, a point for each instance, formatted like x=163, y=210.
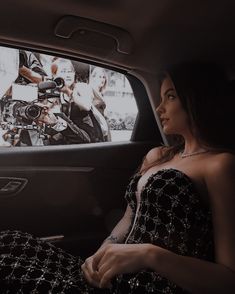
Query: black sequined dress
x=170, y=214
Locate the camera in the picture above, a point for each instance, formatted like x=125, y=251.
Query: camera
x=18, y=112
x=28, y=111
x=21, y=110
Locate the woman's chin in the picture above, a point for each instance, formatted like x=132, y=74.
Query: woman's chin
x=165, y=129
x=168, y=131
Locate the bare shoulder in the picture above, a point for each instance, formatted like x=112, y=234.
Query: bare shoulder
x=154, y=154
x=220, y=164
x=220, y=174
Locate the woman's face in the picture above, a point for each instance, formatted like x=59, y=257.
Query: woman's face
x=98, y=79
x=66, y=72
x=174, y=118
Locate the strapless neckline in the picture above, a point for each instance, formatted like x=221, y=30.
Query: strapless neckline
x=162, y=171
x=183, y=174
x=168, y=169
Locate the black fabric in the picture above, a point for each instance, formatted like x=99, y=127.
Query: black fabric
x=29, y=265
x=73, y=133
x=87, y=121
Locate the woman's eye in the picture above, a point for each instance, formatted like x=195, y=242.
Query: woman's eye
x=171, y=97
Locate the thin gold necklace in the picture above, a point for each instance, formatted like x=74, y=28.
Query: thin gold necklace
x=182, y=155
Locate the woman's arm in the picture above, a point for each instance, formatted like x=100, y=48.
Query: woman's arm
x=192, y=274
x=117, y=235
x=121, y=229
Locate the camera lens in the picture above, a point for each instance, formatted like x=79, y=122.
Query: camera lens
x=33, y=111
x=59, y=82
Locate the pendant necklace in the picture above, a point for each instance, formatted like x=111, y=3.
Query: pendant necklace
x=182, y=155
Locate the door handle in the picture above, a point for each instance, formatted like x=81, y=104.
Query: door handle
x=10, y=186
x=52, y=239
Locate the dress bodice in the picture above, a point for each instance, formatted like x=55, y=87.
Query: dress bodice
x=170, y=214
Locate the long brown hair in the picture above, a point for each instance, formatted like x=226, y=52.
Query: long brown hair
x=208, y=99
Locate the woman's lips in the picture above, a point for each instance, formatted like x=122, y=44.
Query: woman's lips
x=164, y=120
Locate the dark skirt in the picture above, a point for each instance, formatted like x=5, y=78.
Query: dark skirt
x=30, y=265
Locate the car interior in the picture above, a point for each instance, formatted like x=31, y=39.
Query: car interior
x=73, y=195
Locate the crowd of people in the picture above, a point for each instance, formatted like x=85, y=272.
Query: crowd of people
x=69, y=109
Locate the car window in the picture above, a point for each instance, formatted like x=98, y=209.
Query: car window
x=48, y=100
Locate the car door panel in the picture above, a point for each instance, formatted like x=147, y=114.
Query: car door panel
x=73, y=195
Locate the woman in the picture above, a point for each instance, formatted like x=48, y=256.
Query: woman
x=188, y=243
x=98, y=83
x=177, y=234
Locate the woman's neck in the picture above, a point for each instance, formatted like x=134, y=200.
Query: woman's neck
x=193, y=148
x=192, y=145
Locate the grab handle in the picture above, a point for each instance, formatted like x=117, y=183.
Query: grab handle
x=70, y=24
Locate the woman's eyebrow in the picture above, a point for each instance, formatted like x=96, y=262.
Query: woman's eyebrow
x=168, y=90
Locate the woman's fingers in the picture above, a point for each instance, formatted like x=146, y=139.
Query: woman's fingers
x=87, y=275
x=105, y=263
x=90, y=275
x=105, y=280
x=106, y=273
x=107, y=267
x=97, y=258
x=102, y=264
x=90, y=268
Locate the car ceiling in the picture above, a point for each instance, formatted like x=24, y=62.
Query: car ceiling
x=163, y=32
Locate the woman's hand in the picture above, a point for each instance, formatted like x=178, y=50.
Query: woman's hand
x=90, y=272
x=115, y=259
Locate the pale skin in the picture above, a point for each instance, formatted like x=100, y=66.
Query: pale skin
x=98, y=79
x=194, y=275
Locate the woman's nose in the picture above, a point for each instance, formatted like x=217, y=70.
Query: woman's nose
x=160, y=109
